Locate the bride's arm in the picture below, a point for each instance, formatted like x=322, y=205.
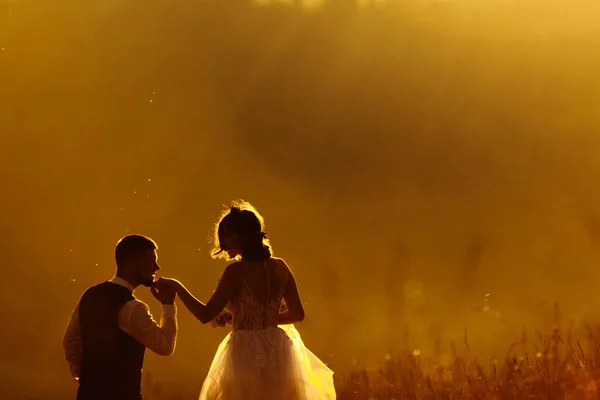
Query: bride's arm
x=221, y=296
x=295, y=310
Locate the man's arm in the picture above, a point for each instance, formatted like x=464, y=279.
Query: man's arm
x=72, y=344
x=224, y=292
x=136, y=320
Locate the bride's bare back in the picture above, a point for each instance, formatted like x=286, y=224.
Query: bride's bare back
x=261, y=287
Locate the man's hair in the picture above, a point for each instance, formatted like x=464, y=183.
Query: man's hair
x=132, y=246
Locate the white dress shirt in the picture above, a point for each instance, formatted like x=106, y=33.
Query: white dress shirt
x=134, y=319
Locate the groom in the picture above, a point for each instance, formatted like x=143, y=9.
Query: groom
x=110, y=329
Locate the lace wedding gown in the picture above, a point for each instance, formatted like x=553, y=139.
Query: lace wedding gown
x=260, y=360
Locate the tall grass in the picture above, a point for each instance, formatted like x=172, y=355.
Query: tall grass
x=557, y=367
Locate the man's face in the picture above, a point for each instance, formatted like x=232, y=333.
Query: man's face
x=146, y=266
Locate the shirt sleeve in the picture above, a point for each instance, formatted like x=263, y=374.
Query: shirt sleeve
x=136, y=320
x=72, y=344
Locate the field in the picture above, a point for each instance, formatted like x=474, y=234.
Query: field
x=559, y=367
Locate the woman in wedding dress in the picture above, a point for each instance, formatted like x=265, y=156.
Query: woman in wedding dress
x=263, y=357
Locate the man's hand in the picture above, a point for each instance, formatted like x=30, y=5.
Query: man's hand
x=164, y=293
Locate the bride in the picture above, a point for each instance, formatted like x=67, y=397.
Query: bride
x=263, y=357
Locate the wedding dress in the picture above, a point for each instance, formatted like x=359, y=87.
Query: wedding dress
x=261, y=360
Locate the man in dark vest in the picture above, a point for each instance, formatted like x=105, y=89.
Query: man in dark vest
x=110, y=329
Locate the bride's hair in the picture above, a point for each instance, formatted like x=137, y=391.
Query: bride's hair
x=244, y=220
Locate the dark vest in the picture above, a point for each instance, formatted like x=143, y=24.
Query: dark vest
x=112, y=360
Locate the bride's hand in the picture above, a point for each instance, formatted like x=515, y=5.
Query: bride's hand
x=174, y=283
x=224, y=318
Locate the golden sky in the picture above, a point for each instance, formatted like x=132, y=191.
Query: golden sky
x=415, y=155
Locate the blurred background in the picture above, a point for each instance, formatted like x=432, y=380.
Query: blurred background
x=423, y=166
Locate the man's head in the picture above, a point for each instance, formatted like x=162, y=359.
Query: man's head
x=136, y=259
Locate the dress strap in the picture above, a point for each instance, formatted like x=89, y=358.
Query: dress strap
x=268, y=283
x=265, y=305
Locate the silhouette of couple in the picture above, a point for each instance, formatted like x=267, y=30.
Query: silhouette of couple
x=263, y=356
